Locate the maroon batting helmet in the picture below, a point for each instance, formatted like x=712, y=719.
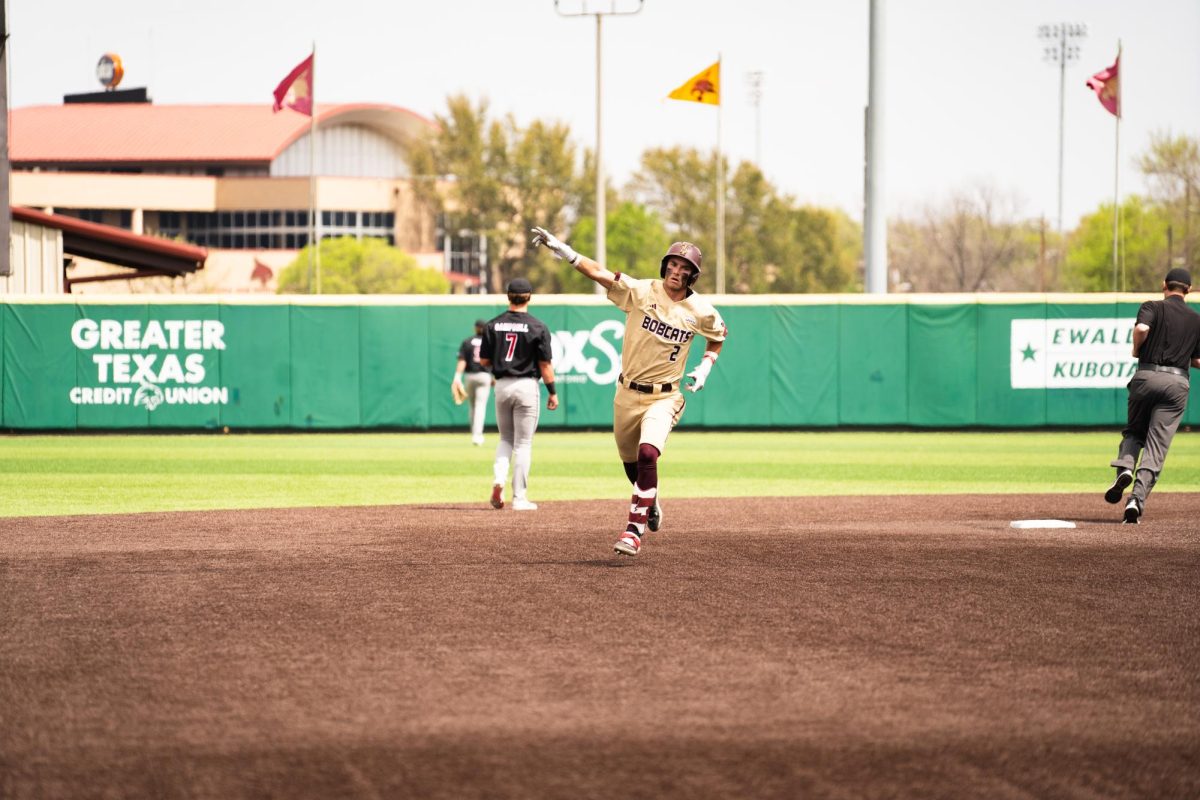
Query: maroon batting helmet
x=689, y=253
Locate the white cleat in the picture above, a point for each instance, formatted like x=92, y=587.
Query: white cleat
x=523, y=505
x=477, y=440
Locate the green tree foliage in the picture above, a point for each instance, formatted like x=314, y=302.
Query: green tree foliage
x=680, y=185
x=1142, y=259
x=1172, y=165
x=635, y=240
x=369, y=266
x=772, y=245
x=493, y=177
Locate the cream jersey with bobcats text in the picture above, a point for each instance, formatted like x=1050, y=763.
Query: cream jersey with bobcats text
x=659, y=331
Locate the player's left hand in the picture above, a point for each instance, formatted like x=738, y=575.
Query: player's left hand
x=700, y=374
x=552, y=402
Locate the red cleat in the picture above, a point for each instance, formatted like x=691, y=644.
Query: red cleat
x=629, y=544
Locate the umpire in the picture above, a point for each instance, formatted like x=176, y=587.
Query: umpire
x=516, y=348
x=1166, y=339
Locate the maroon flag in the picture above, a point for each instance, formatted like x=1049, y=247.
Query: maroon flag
x=1107, y=86
x=296, y=90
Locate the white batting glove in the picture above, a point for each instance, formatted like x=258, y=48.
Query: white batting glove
x=559, y=248
x=700, y=374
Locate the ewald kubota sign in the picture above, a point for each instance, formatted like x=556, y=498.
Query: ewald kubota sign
x=158, y=363
x=1072, y=353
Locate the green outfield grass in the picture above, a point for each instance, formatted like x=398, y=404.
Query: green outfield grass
x=109, y=474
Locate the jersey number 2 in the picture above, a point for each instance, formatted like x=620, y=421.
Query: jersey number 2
x=511, y=338
x=674, y=352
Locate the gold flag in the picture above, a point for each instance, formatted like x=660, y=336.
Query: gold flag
x=704, y=87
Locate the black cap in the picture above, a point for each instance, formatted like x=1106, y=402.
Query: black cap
x=519, y=286
x=479, y=323
x=1179, y=275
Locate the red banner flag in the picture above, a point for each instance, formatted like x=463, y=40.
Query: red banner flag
x=296, y=90
x=1107, y=86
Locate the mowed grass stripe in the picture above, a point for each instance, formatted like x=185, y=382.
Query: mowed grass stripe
x=107, y=474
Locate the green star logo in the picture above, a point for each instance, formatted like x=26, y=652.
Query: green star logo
x=1028, y=353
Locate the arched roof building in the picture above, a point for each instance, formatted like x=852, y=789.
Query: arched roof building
x=359, y=140
x=232, y=178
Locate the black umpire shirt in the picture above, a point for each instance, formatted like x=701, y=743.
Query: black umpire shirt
x=515, y=342
x=1174, y=337
x=468, y=351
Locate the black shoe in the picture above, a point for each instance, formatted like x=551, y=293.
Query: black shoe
x=1133, y=512
x=654, y=517
x=1124, y=478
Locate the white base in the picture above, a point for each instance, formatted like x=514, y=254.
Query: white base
x=1042, y=523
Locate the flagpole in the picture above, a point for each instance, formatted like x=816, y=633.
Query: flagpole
x=314, y=228
x=720, y=193
x=1117, y=174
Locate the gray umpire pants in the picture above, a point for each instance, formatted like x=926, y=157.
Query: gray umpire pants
x=518, y=404
x=1156, y=404
x=478, y=384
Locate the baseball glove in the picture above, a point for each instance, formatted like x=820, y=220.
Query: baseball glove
x=458, y=392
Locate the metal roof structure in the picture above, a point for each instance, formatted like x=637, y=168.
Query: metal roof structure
x=147, y=256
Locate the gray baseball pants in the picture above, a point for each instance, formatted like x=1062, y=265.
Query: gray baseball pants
x=518, y=404
x=478, y=384
x=1156, y=404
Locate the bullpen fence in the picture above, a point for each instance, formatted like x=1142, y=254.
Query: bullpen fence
x=945, y=361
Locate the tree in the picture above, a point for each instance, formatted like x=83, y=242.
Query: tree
x=497, y=179
x=772, y=245
x=680, y=184
x=1172, y=165
x=635, y=241
x=369, y=266
x=973, y=243
x=1141, y=260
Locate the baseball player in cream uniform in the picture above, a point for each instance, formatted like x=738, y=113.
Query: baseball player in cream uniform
x=662, y=319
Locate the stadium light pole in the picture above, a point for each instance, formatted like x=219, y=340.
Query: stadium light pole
x=755, y=81
x=1058, y=49
x=875, y=259
x=601, y=211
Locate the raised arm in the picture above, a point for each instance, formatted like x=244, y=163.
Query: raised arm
x=585, y=266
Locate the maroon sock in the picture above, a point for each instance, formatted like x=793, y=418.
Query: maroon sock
x=647, y=480
x=630, y=470
x=647, y=467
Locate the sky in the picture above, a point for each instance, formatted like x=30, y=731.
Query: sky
x=968, y=100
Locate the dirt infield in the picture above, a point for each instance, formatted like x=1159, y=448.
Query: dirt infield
x=812, y=647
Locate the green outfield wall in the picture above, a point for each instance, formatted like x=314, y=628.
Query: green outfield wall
x=941, y=361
